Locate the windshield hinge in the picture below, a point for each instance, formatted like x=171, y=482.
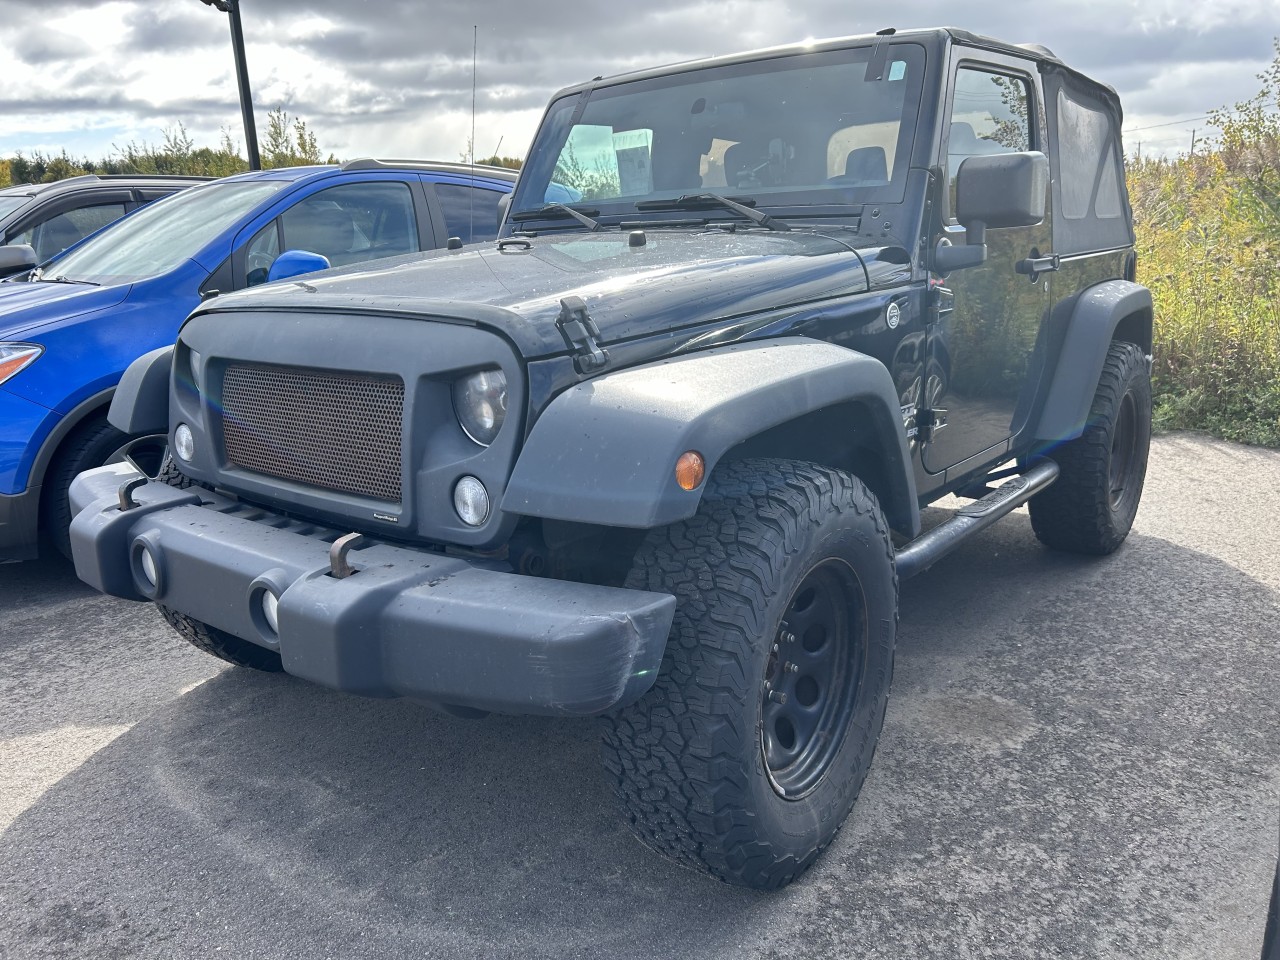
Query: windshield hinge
x=581, y=334
x=929, y=422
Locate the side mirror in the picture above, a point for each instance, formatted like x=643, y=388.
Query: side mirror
x=292, y=263
x=16, y=258
x=996, y=191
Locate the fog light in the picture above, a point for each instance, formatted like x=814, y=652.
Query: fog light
x=270, y=610
x=148, y=564
x=184, y=442
x=471, y=500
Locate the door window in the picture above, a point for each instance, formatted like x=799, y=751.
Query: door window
x=353, y=223
x=347, y=224
x=988, y=115
x=470, y=213
x=54, y=235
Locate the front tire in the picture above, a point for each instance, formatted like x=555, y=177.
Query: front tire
x=220, y=644
x=1091, y=506
x=751, y=748
x=91, y=444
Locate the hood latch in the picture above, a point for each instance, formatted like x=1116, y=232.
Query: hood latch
x=581, y=335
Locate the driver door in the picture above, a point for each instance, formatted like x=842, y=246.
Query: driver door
x=989, y=315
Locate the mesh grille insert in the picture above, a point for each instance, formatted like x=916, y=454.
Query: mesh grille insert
x=339, y=431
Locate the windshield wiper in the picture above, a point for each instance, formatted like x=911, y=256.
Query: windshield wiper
x=694, y=200
x=89, y=283
x=548, y=210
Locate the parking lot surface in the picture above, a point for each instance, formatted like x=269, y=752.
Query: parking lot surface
x=1081, y=759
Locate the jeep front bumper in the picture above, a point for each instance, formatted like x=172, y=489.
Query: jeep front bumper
x=408, y=623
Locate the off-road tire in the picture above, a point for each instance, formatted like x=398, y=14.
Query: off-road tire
x=170, y=474
x=688, y=760
x=220, y=644
x=87, y=446
x=1091, y=506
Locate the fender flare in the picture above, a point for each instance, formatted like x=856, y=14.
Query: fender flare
x=604, y=451
x=1098, y=314
x=141, y=402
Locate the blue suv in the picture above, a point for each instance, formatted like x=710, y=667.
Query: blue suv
x=68, y=333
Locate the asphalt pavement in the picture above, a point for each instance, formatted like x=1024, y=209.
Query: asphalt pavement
x=1081, y=759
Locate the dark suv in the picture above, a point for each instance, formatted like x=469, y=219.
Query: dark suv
x=49, y=217
x=659, y=454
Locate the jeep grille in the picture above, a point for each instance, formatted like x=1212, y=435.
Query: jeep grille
x=339, y=431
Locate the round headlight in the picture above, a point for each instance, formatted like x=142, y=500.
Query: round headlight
x=480, y=401
x=184, y=442
x=471, y=500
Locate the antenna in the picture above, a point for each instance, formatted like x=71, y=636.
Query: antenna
x=471, y=194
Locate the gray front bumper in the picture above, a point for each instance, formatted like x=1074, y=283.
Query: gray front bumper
x=408, y=623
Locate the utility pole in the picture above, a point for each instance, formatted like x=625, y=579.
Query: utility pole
x=242, y=78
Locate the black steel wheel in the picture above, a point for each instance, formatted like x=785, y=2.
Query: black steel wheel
x=750, y=750
x=813, y=678
x=1090, y=508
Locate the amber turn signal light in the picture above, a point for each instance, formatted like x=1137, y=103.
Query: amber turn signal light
x=690, y=469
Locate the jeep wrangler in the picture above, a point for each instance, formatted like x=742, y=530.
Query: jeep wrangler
x=658, y=454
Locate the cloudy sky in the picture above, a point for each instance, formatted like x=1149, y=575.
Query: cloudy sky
x=392, y=78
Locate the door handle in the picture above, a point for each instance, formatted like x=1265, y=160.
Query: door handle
x=1034, y=266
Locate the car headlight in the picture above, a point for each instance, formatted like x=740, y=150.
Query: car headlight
x=15, y=357
x=480, y=402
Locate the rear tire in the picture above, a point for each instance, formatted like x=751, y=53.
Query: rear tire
x=1091, y=506
x=220, y=644
x=750, y=750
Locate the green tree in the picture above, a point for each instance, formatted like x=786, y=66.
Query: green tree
x=289, y=143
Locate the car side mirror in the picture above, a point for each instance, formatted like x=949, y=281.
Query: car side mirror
x=16, y=258
x=504, y=204
x=293, y=263
x=994, y=192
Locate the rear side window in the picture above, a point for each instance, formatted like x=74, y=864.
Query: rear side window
x=470, y=213
x=1086, y=153
x=1089, y=195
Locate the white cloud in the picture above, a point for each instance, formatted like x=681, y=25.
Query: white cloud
x=393, y=77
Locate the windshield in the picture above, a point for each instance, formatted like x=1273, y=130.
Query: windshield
x=10, y=204
x=161, y=236
x=802, y=130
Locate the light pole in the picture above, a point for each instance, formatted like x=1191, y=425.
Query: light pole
x=242, y=78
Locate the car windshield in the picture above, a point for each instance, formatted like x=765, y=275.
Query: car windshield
x=10, y=204
x=823, y=128
x=161, y=236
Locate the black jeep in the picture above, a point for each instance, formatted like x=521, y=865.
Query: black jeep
x=659, y=453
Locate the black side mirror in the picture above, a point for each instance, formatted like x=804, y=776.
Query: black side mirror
x=16, y=258
x=997, y=191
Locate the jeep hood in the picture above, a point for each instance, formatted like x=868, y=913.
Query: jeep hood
x=675, y=279
x=24, y=307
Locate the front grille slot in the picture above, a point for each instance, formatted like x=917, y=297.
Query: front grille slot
x=338, y=431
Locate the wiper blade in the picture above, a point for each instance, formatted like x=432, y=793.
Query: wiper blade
x=694, y=200
x=559, y=209
x=88, y=283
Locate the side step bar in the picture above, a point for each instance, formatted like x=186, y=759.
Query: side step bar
x=928, y=548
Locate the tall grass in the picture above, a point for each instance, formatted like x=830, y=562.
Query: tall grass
x=1208, y=228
